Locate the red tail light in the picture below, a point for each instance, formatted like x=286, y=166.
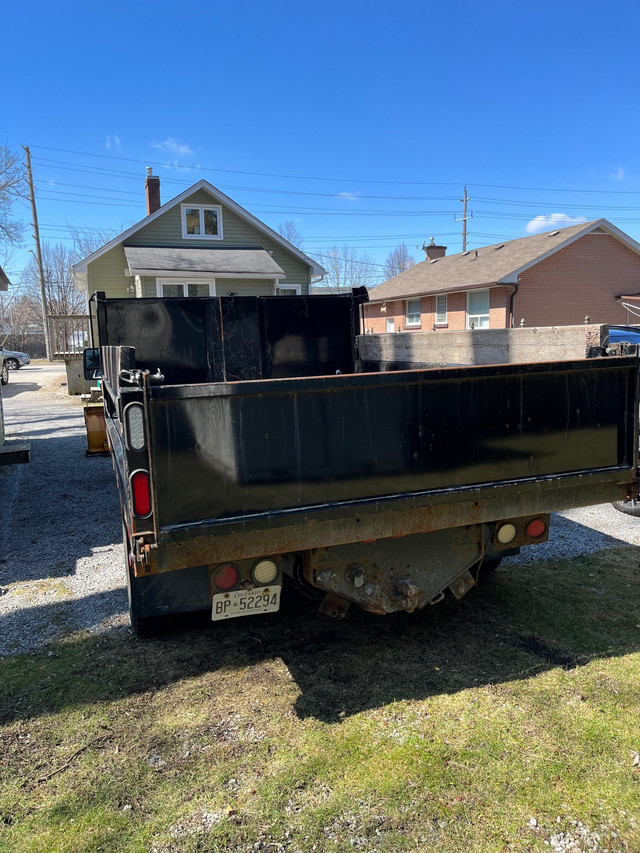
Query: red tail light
x=536, y=528
x=141, y=493
x=226, y=577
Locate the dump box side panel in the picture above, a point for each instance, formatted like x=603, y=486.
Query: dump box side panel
x=237, y=450
x=226, y=338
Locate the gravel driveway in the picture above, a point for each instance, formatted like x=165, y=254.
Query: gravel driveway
x=61, y=560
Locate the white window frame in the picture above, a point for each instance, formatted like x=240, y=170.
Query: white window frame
x=412, y=324
x=289, y=289
x=476, y=320
x=441, y=318
x=201, y=208
x=185, y=282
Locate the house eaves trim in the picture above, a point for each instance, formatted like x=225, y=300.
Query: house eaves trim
x=210, y=275
x=316, y=269
x=461, y=289
x=4, y=280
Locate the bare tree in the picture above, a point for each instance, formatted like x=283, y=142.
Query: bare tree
x=87, y=240
x=346, y=269
x=289, y=231
x=397, y=261
x=19, y=324
x=62, y=298
x=13, y=186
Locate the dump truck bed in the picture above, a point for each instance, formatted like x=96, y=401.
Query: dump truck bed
x=244, y=440
x=266, y=466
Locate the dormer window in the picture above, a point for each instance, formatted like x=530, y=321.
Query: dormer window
x=201, y=221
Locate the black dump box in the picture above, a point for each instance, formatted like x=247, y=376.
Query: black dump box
x=260, y=442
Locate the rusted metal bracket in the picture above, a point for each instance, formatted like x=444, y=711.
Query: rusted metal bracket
x=462, y=584
x=334, y=606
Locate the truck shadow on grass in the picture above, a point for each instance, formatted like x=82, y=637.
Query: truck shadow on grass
x=517, y=623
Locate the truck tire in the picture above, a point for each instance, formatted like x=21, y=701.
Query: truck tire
x=631, y=507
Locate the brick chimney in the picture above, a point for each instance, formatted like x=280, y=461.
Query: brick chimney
x=432, y=251
x=152, y=186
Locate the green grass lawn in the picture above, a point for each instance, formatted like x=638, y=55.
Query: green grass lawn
x=499, y=722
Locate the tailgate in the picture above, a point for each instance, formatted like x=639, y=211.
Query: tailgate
x=238, y=451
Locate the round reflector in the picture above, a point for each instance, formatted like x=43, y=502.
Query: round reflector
x=265, y=571
x=134, y=421
x=225, y=577
x=506, y=533
x=536, y=528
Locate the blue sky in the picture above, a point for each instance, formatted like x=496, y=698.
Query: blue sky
x=361, y=122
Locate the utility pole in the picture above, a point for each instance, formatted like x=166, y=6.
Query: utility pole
x=36, y=234
x=465, y=201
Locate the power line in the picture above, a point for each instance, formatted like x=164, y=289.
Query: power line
x=348, y=197
x=257, y=174
x=335, y=179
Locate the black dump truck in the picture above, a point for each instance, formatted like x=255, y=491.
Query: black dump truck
x=250, y=448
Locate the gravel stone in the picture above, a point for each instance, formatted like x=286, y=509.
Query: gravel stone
x=61, y=559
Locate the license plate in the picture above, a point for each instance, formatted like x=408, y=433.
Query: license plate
x=245, y=602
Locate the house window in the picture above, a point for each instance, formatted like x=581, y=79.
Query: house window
x=171, y=287
x=441, y=309
x=288, y=290
x=412, y=316
x=201, y=222
x=478, y=309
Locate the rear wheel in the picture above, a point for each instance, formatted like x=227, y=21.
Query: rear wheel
x=12, y=363
x=4, y=373
x=630, y=507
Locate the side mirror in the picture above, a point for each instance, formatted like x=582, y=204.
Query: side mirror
x=92, y=364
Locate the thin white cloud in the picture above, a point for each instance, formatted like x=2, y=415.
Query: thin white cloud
x=349, y=196
x=113, y=142
x=179, y=167
x=552, y=221
x=618, y=175
x=174, y=146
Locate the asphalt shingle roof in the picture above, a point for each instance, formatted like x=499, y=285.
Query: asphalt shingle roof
x=490, y=265
x=219, y=261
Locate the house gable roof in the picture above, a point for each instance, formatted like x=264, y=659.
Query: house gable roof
x=4, y=281
x=219, y=197
x=498, y=264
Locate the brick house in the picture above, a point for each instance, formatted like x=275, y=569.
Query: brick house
x=557, y=278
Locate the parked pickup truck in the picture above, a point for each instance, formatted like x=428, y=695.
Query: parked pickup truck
x=248, y=449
